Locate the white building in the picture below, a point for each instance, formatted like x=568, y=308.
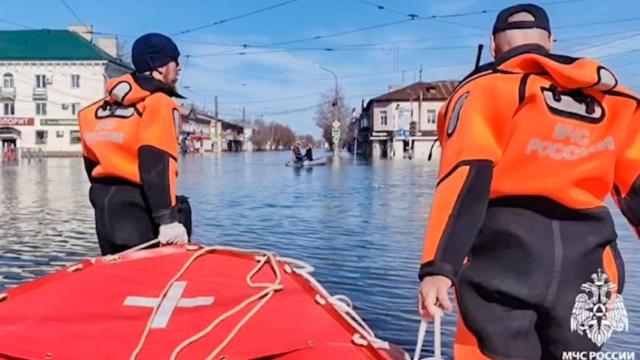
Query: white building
x=47, y=76
x=402, y=122
x=197, y=130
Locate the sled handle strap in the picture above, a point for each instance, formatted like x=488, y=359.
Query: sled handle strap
x=437, y=338
x=422, y=331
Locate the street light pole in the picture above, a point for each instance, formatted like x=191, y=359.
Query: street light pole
x=336, y=144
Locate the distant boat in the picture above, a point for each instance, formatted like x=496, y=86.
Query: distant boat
x=307, y=163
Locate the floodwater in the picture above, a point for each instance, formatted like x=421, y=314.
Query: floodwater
x=360, y=225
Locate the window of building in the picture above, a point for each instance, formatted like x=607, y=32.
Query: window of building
x=383, y=117
x=75, y=137
x=41, y=137
x=431, y=116
x=75, y=81
x=9, y=108
x=75, y=108
x=7, y=80
x=41, y=108
x=41, y=81
x=59, y=134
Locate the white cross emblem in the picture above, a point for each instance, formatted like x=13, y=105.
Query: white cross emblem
x=168, y=304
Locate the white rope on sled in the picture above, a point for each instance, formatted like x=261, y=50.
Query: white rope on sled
x=347, y=312
x=266, y=294
x=341, y=303
x=437, y=338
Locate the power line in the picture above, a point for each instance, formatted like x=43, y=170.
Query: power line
x=16, y=24
x=625, y=52
x=598, y=35
x=310, y=107
x=336, y=34
x=317, y=37
x=72, y=12
x=607, y=43
x=371, y=46
x=223, y=21
x=414, y=16
x=327, y=49
x=614, y=21
x=410, y=17
x=453, y=15
x=271, y=100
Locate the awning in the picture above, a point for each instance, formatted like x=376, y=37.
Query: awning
x=9, y=133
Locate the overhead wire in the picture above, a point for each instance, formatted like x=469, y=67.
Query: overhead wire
x=236, y=17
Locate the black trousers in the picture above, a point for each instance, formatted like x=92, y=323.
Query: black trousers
x=122, y=218
x=520, y=286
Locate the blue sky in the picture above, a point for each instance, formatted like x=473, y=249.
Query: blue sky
x=283, y=82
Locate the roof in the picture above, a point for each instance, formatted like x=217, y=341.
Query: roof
x=437, y=90
x=26, y=45
x=194, y=114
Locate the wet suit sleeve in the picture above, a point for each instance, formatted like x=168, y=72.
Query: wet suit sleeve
x=89, y=165
x=157, y=156
x=472, y=136
x=626, y=190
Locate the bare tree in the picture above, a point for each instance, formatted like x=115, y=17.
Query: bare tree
x=325, y=113
x=307, y=140
x=272, y=136
x=124, y=53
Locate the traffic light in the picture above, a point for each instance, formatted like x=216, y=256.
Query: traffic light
x=413, y=131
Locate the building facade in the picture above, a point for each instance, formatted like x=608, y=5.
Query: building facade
x=47, y=76
x=197, y=131
x=402, y=122
x=202, y=132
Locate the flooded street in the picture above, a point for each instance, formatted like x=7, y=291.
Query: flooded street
x=360, y=225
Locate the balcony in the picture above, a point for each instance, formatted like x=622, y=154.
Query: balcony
x=39, y=93
x=8, y=93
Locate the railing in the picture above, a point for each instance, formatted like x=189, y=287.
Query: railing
x=8, y=93
x=39, y=93
x=31, y=152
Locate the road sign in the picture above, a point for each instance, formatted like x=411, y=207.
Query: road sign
x=335, y=132
x=336, y=124
x=402, y=133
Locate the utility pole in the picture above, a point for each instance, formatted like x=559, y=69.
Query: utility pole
x=336, y=144
x=419, y=113
x=336, y=122
x=216, y=107
x=243, y=114
x=420, y=73
x=218, y=124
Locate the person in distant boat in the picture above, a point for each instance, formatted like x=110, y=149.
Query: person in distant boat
x=308, y=154
x=297, y=153
x=130, y=148
x=532, y=144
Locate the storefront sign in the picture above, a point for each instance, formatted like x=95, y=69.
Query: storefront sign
x=16, y=121
x=58, y=122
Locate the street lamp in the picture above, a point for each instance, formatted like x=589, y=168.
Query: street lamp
x=336, y=139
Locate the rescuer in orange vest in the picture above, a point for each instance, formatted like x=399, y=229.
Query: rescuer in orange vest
x=130, y=146
x=532, y=144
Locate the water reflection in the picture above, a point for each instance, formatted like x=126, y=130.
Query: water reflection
x=359, y=224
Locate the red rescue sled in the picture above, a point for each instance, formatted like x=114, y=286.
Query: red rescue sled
x=184, y=302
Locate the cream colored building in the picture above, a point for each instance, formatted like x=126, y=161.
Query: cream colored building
x=47, y=76
x=402, y=122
